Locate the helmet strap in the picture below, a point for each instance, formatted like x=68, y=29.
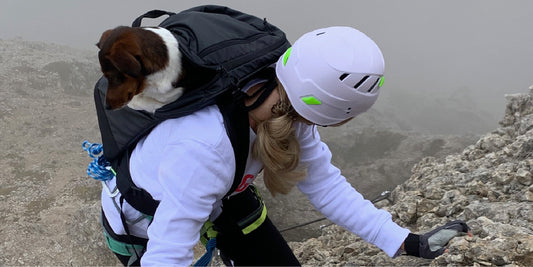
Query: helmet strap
x=263, y=92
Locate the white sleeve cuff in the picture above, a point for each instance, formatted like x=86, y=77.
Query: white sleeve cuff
x=391, y=237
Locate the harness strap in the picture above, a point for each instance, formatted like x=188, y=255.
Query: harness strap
x=256, y=218
x=129, y=246
x=241, y=213
x=122, y=248
x=129, y=236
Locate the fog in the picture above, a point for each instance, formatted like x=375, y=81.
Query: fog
x=441, y=56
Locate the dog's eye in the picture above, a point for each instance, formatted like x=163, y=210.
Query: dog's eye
x=115, y=79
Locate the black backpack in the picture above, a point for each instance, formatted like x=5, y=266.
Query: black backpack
x=230, y=47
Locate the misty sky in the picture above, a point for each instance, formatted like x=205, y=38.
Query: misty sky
x=479, y=50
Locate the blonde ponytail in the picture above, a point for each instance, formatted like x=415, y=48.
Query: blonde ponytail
x=278, y=148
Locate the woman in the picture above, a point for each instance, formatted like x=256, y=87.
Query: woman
x=328, y=77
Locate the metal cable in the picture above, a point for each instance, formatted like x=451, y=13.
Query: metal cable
x=382, y=196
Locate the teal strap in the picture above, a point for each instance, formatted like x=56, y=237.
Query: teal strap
x=122, y=248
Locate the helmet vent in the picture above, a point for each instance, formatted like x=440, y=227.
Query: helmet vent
x=361, y=82
x=343, y=76
x=373, y=86
x=320, y=33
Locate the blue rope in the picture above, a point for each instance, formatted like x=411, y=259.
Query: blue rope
x=208, y=255
x=99, y=169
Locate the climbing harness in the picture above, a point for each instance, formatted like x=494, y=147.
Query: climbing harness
x=100, y=169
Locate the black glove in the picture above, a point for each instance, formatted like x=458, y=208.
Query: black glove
x=432, y=244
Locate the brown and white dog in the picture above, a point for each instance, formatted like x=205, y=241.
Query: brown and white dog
x=142, y=66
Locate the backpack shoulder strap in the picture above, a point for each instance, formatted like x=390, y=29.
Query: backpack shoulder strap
x=137, y=197
x=117, y=152
x=238, y=129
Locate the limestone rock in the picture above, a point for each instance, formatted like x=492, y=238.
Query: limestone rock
x=488, y=185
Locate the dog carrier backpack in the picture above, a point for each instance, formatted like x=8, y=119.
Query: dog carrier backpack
x=231, y=48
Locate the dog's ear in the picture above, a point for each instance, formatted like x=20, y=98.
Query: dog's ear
x=104, y=37
x=126, y=63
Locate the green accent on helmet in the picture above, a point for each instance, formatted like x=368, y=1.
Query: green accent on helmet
x=286, y=56
x=381, y=81
x=311, y=100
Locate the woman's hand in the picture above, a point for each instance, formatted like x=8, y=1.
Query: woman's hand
x=433, y=244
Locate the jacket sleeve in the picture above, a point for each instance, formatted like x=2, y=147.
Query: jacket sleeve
x=192, y=181
x=330, y=193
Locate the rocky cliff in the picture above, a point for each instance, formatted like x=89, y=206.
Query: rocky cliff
x=489, y=185
x=50, y=207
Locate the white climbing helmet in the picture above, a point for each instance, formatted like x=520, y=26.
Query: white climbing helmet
x=332, y=74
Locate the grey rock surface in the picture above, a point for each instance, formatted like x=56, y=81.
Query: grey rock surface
x=489, y=185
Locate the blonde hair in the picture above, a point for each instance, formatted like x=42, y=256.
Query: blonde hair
x=278, y=148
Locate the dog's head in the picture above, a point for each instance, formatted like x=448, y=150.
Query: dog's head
x=127, y=55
